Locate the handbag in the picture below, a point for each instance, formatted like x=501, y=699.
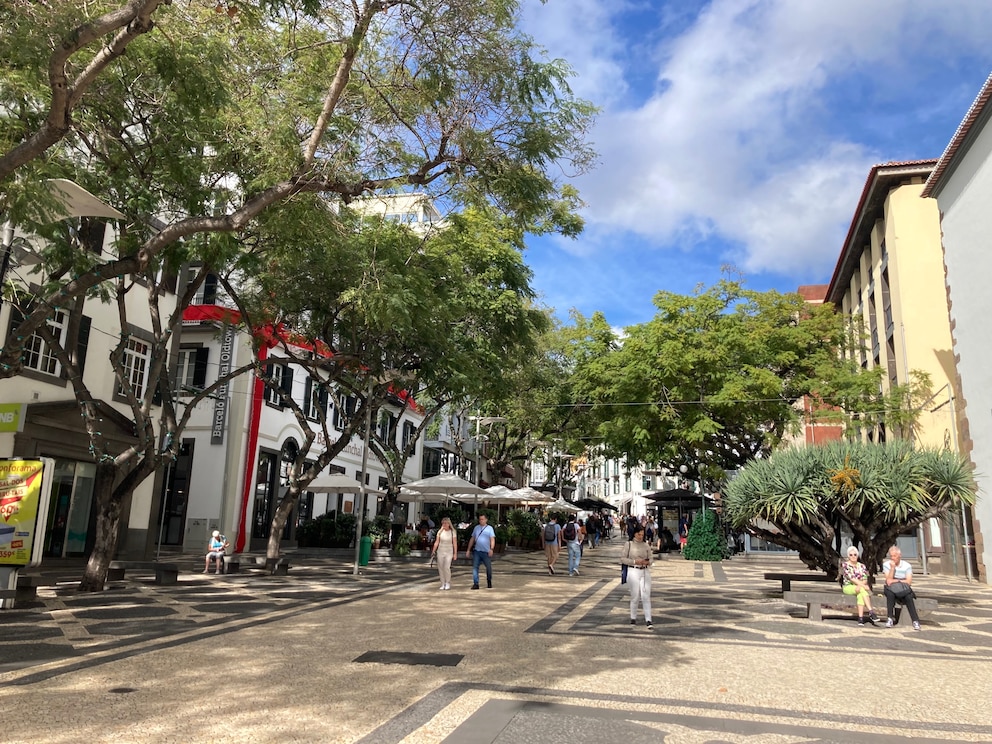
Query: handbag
x=900, y=590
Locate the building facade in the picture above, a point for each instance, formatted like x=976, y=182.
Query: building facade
x=889, y=280
x=961, y=188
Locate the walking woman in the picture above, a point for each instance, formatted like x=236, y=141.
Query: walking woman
x=855, y=581
x=445, y=550
x=637, y=556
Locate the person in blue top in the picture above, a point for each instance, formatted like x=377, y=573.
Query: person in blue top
x=215, y=551
x=480, y=548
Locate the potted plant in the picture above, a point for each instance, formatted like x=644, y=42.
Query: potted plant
x=378, y=530
x=405, y=543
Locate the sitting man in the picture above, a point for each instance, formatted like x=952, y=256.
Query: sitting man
x=216, y=550
x=899, y=587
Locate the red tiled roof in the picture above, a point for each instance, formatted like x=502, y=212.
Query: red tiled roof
x=963, y=130
x=813, y=292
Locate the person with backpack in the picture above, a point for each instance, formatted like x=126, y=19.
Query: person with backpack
x=552, y=542
x=572, y=536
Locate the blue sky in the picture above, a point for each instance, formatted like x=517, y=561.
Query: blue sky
x=741, y=132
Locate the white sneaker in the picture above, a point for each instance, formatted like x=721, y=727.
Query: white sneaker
x=447, y=586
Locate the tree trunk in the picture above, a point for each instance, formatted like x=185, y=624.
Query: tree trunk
x=279, y=519
x=107, y=535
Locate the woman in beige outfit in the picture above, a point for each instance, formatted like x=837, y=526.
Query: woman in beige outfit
x=637, y=556
x=445, y=550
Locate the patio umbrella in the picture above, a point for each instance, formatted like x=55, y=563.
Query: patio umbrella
x=562, y=505
x=415, y=497
x=447, y=485
x=531, y=496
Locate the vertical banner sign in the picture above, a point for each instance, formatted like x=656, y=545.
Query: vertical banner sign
x=220, y=401
x=25, y=488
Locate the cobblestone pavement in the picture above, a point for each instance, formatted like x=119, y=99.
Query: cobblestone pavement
x=323, y=656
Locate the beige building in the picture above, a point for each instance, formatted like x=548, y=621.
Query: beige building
x=890, y=275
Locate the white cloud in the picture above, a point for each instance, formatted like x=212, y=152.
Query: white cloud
x=736, y=139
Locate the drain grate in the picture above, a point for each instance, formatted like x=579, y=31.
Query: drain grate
x=409, y=659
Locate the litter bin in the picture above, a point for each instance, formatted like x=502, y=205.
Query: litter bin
x=364, y=551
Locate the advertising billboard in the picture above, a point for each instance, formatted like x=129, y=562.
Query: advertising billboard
x=25, y=489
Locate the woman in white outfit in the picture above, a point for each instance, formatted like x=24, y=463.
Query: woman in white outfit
x=637, y=556
x=445, y=550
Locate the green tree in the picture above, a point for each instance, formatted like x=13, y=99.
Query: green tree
x=375, y=309
x=873, y=492
x=711, y=382
x=210, y=119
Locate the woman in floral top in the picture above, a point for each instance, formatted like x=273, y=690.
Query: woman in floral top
x=854, y=577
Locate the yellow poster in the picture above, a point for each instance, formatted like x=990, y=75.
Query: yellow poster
x=20, y=495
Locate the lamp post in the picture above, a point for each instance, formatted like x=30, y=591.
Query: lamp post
x=363, y=488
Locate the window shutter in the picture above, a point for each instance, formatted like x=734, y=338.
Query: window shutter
x=83, y=341
x=287, y=382
x=308, y=387
x=200, y=367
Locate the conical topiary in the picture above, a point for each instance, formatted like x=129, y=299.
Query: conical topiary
x=705, y=540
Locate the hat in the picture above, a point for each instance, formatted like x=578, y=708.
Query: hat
x=216, y=533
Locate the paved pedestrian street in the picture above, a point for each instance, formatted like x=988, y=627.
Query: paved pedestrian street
x=322, y=656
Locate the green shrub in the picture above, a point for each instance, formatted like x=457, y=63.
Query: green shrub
x=525, y=523
x=706, y=541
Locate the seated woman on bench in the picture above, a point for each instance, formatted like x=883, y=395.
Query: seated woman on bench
x=216, y=550
x=854, y=580
x=899, y=587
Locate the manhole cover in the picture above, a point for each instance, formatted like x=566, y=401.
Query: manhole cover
x=410, y=659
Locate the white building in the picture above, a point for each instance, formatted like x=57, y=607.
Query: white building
x=962, y=186
x=238, y=446
x=48, y=417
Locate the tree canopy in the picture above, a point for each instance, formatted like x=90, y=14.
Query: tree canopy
x=712, y=380
x=211, y=118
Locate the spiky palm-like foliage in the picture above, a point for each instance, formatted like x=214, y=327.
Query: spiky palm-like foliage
x=806, y=495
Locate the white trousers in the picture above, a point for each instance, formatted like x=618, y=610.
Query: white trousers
x=639, y=581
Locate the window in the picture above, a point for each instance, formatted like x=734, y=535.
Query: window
x=191, y=370
x=314, y=399
x=134, y=367
x=350, y=403
x=38, y=355
x=646, y=483
x=409, y=430
x=282, y=378
x=387, y=427
x=274, y=373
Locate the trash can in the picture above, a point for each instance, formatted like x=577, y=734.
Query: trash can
x=364, y=551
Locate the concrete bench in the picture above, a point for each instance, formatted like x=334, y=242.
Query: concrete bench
x=281, y=567
x=165, y=573
x=815, y=601
x=27, y=586
x=788, y=578
x=232, y=564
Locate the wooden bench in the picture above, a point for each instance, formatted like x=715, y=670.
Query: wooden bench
x=165, y=573
x=815, y=601
x=788, y=578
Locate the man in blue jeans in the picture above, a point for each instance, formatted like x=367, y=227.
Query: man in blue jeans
x=480, y=548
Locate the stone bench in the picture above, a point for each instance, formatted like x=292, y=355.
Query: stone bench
x=165, y=573
x=232, y=564
x=27, y=586
x=788, y=578
x=281, y=567
x=815, y=602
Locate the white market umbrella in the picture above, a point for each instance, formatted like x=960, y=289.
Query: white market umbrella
x=448, y=484
x=414, y=497
x=531, y=496
x=562, y=505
